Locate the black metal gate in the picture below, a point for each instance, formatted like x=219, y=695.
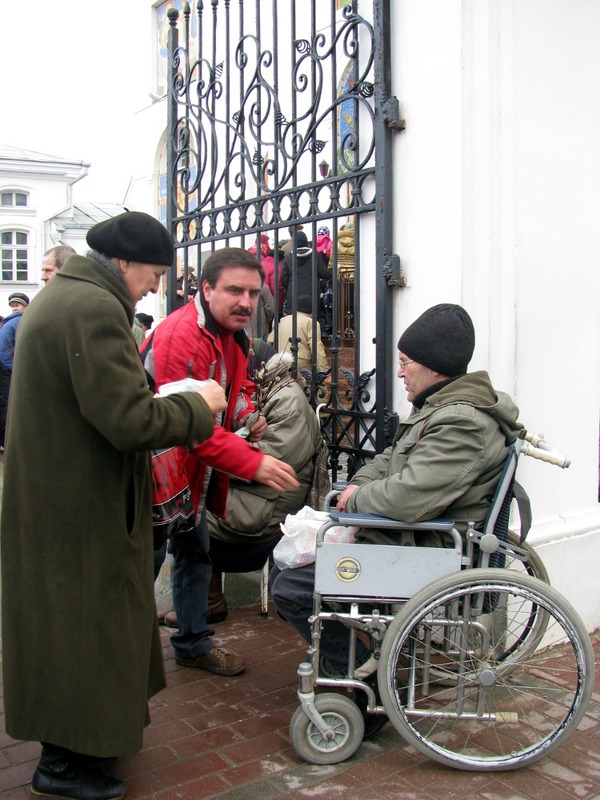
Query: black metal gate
x=281, y=119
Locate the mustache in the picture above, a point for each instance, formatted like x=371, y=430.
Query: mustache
x=243, y=312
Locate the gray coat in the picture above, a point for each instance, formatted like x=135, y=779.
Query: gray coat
x=81, y=652
x=254, y=511
x=445, y=460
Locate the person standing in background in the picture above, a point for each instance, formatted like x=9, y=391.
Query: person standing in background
x=54, y=259
x=18, y=302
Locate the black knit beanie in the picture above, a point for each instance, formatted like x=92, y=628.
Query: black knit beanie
x=134, y=236
x=442, y=338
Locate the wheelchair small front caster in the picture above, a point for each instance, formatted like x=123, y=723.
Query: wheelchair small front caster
x=347, y=729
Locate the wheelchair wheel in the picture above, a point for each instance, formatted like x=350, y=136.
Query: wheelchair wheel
x=534, y=565
x=496, y=713
x=533, y=619
x=348, y=725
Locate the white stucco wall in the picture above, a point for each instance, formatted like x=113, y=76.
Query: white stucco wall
x=497, y=208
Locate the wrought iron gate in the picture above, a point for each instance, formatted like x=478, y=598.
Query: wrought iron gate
x=281, y=118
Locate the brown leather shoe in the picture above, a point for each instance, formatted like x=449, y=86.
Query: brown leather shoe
x=217, y=604
x=217, y=660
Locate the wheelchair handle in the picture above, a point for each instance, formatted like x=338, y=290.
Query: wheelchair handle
x=550, y=456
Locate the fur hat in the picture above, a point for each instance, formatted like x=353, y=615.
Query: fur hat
x=18, y=297
x=442, y=338
x=134, y=236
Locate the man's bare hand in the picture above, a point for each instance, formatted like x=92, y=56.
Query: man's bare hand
x=257, y=431
x=214, y=396
x=276, y=474
x=345, y=496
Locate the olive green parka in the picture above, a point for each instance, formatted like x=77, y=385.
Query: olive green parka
x=445, y=460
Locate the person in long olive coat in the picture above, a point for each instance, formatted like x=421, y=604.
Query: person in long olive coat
x=81, y=650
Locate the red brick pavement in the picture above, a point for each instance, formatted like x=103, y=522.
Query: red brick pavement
x=228, y=738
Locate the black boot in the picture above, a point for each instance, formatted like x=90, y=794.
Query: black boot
x=62, y=773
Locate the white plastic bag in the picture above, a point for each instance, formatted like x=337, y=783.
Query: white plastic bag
x=297, y=546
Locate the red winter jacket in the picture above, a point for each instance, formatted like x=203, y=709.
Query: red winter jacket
x=186, y=344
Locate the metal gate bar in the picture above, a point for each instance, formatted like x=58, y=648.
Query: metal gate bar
x=282, y=116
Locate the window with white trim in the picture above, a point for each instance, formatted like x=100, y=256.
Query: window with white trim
x=15, y=246
x=13, y=199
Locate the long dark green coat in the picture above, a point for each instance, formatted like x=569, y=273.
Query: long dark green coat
x=81, y=653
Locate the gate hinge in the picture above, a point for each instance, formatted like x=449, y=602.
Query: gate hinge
x=392, y=271
x=391, y=114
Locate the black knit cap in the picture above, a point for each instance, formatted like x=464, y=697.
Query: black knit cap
x=134, y=236
x=442, y=338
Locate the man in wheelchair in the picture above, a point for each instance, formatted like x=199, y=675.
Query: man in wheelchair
x=445, y=461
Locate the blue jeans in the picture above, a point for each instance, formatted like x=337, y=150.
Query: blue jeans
x=192, y=570
x=292, y=592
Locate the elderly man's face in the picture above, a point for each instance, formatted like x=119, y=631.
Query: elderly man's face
x=14, y=305
x=417, y=377
x=234, y=298
x=141, y=278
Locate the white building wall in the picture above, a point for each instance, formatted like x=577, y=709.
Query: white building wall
x=497, y=208
x=48, y=185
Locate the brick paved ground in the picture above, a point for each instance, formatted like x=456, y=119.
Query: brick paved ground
x=228, y=738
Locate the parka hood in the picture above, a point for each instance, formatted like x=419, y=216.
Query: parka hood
x=476, y=389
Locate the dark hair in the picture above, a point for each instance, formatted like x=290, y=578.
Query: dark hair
x=305, y=304
x=60, y=254
x=229, y=257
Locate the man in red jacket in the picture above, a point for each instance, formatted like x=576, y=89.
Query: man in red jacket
x=206, y=339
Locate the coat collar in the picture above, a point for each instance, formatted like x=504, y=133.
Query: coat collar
x=80, y=268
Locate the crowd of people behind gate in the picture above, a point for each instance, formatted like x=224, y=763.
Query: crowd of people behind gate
x=85, y=364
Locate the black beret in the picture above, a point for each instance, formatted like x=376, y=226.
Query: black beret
x=442, y=338
x=145, y=319
x=134, y=236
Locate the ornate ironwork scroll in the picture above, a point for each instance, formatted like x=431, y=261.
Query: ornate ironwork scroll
x=273, y=128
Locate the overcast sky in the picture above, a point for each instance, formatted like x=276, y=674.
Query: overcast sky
x=72, y=74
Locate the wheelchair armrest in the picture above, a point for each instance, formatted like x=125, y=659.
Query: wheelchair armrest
x=336, y=488
x=385, y=523
x=376, y=521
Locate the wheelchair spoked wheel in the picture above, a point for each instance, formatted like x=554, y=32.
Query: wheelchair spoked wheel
x=534, y=565
x=496, y=713
x=343, y=716
x=533, y=618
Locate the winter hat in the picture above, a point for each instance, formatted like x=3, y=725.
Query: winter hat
x=18, y=297
x=442, y=338
x=300, y=239
x=323, y=231
x=134, y=236
x=260, y=352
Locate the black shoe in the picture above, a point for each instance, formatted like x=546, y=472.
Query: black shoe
x=57, y=777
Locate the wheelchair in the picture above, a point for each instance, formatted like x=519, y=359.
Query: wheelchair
x=480, y=664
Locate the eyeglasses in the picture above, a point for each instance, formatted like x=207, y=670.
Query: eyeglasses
x=403, y=364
